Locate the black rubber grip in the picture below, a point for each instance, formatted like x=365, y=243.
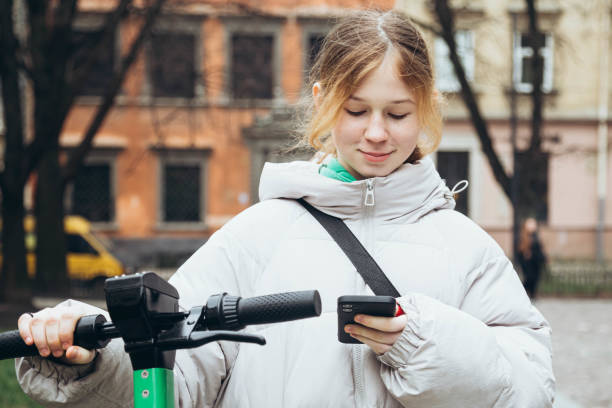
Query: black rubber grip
x=85, y=335
x=280, y=307
x=13, y=346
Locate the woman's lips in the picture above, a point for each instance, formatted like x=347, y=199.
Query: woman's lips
x=375, y=157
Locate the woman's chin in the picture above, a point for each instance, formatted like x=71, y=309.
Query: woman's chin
x=369, y=170
x=370, y=173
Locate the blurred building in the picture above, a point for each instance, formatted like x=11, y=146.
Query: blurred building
x=181, y=152
x=577, y=112
x=210, y=99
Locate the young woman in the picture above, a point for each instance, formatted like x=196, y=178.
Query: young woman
x=469, y=336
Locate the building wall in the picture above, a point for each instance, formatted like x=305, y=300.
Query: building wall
x=140, y=130
x=571, y=117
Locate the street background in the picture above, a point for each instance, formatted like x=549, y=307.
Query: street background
x=130, y=131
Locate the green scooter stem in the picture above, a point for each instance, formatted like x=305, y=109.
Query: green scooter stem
x=153, y=388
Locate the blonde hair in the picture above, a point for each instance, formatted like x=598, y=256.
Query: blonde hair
x=355, y=47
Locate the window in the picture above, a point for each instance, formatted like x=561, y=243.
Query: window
x=76, y=244
x=102, y=69
x=523, y=74
x=252, y=66
x=182, y=181
x=181, y=192
x=172, y=66
x=453, y=167
x=92, y=193
x=315, y=41
x=445, y=72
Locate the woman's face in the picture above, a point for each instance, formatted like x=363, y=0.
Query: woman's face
x=378, y=127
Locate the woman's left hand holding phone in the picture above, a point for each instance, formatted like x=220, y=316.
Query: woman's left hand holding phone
x=379, y=333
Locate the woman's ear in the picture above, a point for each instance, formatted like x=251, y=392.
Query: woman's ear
x=316, y=94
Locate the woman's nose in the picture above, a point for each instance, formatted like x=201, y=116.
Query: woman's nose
x=376, y=130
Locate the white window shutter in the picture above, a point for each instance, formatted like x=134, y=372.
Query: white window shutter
x=445, y=72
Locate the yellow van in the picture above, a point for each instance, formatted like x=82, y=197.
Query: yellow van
x=88, y=258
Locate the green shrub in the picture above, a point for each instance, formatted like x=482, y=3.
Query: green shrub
x=577, y=278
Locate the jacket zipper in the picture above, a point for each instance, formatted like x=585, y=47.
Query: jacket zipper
x=368, y=238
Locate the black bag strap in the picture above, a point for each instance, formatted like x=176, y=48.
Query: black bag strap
x=367, y=267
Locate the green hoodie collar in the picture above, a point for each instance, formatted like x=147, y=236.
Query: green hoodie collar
x=333, y=169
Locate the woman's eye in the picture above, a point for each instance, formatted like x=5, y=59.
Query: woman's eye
x=398, y=117
x=354, y=113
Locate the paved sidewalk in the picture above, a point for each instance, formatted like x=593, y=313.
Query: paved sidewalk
x=582, y=347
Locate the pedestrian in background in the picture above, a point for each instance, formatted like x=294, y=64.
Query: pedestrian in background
x=531, y=256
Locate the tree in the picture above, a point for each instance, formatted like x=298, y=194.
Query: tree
x=46, y=59
x=12, y=178
x=525, y=186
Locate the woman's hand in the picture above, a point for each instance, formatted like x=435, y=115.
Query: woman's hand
x=51, y=330
x=380, y=333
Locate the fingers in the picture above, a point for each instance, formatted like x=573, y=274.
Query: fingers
x=52, y=331
x=67, y=325
x=24, y=328
x=388, y=338
x=379, y=333
x=387, y=324
x=37, y=327
x=79, y=355
x=52, y=334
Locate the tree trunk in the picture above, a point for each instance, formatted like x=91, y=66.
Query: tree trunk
x=14, y=283
x=51, y=276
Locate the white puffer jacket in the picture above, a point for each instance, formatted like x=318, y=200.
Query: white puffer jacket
x=473, y=338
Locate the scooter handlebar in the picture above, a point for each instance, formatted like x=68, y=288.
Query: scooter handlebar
x=280, y=307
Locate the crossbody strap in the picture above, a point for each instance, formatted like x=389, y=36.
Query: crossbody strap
x=367, y=267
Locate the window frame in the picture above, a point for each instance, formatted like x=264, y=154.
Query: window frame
x=185, y=156
x=442, y=56
x=310, y=27
x=96, y=157
x=90, y=21
x=519, y=52
x=257, y=26
x=467, y=142
x=180, y=25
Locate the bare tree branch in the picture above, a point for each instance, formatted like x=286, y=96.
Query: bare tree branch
x=445, y=18
x=76, y=157
x=537, y=65
x=14, y=273
x=110, y=27
x=37, y=16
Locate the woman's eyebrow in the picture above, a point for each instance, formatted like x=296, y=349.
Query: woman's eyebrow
x=356, y=98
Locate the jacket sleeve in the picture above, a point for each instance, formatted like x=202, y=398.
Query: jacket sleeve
x=107, y=381
x=492, y=351
x=54, y=384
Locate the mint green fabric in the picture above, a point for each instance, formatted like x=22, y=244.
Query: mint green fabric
x=333, y=169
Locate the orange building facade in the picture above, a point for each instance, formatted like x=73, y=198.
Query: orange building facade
x=174, y=160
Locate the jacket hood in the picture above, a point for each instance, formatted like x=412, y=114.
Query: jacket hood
x=410, y=192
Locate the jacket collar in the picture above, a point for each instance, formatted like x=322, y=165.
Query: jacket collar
x=410, y=192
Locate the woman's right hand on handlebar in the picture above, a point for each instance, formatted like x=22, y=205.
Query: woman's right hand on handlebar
x=52, y=330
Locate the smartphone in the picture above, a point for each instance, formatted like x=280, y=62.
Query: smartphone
x=349, y=306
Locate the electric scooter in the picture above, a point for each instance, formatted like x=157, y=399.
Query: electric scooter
x=145, y=313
